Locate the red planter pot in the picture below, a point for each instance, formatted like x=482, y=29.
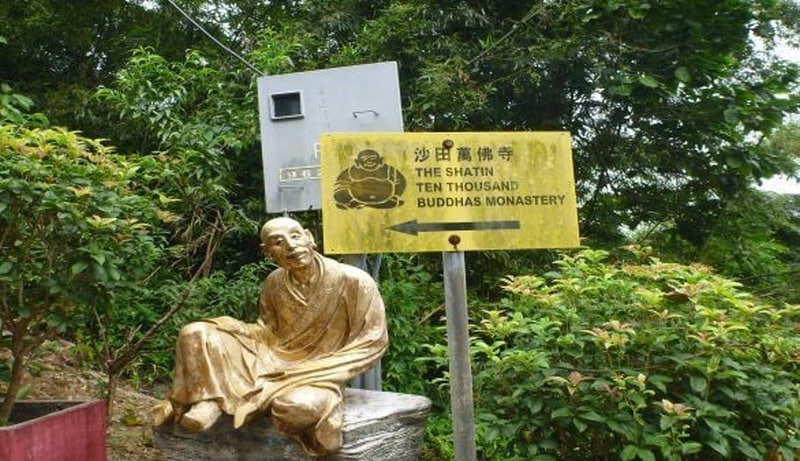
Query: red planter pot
x=55, y=431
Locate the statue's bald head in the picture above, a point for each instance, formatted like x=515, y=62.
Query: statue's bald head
x=287, y=242
x=278, y=224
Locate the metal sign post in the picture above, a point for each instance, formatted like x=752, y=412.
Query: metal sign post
x=455, y=299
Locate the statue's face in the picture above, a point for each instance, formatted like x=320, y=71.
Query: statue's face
x=287, y=243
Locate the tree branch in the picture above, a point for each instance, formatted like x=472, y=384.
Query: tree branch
x=127, y=354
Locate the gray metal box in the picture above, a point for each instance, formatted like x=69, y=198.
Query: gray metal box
x=295, y=109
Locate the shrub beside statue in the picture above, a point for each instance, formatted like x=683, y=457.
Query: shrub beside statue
x=73, y=232
x=631, y=357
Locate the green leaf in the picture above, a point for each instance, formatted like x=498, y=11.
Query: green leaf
x=665, y=422
x=100, y=258
x=682, y=74
x=535, y=406
x=620, y=90
x=6, y=267
x=698, y=384
x=78, y=267
x=629, y=452
x=563, y=412
x=721, y=446
x=713, y=424
x=787, y=453
x=592, y=416
x=649, y=81
x=635, y=14
x=99, y=273
x=23, y=391
x=543, y=457
x=731, y=115
x=659, y=382
x=688, y=448
x=579, y=425
x=748, y=450
x=548, y=444
x=733, y=162
x=645, y=454
x=618, y=427
x=114, y=274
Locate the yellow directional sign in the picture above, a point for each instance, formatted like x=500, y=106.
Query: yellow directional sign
x=414, y=192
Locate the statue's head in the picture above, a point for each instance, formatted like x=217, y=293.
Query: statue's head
x=287, y=243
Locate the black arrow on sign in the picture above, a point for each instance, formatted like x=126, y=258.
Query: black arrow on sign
x=413, y=227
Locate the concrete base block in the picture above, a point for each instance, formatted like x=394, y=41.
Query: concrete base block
x=60, y=430
x=383, y=426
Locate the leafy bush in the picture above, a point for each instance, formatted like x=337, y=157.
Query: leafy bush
x=751, y=241
x=212, y=296
x=73, y=232
x=414, y=298
x=415, y=312
x=643, y=359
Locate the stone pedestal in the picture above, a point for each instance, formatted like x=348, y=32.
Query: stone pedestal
x=382, y=426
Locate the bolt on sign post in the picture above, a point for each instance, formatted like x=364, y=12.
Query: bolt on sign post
x=449, y=192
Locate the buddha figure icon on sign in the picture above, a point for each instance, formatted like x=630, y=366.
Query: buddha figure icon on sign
x=369, y=182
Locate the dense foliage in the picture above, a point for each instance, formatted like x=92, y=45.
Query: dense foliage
x=60, y=51
x=676, y=110
x=754, y=241
x=74, y=232
x=636, y=359
x=669, y=102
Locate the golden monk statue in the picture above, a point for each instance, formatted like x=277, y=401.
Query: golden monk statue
x=321, y=323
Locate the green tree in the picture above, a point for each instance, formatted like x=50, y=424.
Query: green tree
x=74, y=232
x=787, y=140
x=59, y=51
x=751, y=242
x=668, y=102
x=199, y=120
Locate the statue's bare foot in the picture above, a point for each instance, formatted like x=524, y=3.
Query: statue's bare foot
x=163, y=413
x=202, y=416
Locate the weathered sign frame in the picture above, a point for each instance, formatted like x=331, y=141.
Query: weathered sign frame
x=418, y=192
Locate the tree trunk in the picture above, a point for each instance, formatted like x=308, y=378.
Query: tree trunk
x=111, y=392
x=17, y=372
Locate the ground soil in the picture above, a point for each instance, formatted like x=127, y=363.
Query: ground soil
x=56, y=374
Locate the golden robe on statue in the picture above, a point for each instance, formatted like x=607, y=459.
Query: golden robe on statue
x=308, y=342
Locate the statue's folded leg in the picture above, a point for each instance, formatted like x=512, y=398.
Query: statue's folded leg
x=313, y=415
x=211, y=365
